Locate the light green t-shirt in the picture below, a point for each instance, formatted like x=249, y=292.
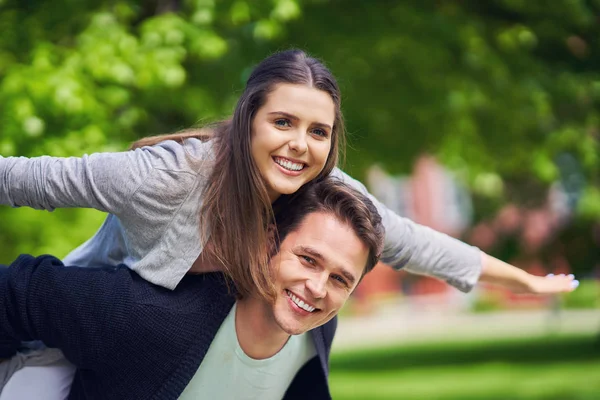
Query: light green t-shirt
x=228, y=373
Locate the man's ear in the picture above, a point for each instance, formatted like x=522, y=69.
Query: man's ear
x=272, y=238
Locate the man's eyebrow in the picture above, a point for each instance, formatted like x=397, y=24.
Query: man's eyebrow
x=351, y=279
x=311, y=251
x=293, y=117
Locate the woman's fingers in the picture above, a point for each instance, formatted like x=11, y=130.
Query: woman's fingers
x=559, y=283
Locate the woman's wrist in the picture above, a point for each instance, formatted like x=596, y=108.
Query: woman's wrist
x=499, y=273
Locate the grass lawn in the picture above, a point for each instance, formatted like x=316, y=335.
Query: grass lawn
x=558, y=368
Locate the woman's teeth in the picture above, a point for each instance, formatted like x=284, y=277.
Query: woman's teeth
x=292, y=166
x=299, y=302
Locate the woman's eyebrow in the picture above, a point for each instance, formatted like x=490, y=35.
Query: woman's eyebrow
x=284, y=114
x=295, y=118
x=322, y=125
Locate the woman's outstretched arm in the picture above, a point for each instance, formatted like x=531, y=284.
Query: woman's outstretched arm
x=104, y=181
x=424, y=251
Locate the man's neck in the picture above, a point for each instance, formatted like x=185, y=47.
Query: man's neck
x=258, y=334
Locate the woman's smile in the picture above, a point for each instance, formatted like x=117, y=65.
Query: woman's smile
x=291, y=137
x=288, y=166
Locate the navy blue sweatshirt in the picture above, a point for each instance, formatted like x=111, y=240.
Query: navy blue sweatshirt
x=129, y=338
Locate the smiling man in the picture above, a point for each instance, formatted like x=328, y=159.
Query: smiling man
x=130, y=339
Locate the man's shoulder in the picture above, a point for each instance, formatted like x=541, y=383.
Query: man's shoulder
x=327, y=332
x=196, y=296
x=173, y=321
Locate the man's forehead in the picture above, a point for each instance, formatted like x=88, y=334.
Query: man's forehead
x=332, y=238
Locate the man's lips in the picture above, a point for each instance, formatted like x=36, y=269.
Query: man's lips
x=301, y=303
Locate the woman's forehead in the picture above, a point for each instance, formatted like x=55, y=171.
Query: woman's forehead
x=301, y=101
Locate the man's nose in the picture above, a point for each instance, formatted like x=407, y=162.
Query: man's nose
x=317, y=285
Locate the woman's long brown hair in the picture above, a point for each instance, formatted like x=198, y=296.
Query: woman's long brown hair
x=236, y=209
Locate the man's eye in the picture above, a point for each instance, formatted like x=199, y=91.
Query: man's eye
x=283, y=123
x=340, y=279
x=309, y=260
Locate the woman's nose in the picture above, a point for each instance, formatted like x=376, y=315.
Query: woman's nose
x=298, y=143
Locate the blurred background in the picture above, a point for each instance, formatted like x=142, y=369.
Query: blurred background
x=480, y=119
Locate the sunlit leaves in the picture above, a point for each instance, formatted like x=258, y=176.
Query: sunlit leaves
x=80, y=77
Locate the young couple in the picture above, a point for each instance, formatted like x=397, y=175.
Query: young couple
x=188, y=208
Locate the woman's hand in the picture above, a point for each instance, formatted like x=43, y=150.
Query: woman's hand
x=551, y=284
x=516, y=280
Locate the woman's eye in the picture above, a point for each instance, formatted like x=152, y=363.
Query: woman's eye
x=320, y=132
x=282, y=123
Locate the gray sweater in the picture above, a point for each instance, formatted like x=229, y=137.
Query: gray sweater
x=153, y=196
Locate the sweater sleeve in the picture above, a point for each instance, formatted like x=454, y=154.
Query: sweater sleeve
x=104, y=181
x=78, y=310
x=421, y=250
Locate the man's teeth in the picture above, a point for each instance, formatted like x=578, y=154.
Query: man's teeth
x=299, y=302
x=292, y=166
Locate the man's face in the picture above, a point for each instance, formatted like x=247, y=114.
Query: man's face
x=317, y=267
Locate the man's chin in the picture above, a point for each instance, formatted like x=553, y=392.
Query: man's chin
x=292, y=328
x=296, y=332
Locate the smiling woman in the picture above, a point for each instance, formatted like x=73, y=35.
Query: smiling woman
x=291, y=137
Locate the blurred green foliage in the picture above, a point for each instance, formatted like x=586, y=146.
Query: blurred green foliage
x=488, y=301
x=556, y=368
x=587, y=295
x=496, y=89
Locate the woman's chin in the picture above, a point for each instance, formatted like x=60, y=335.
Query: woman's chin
x=280, y=188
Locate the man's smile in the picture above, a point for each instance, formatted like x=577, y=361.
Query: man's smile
x=304, y=305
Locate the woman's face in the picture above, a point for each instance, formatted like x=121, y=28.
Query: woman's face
x=291, y=137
